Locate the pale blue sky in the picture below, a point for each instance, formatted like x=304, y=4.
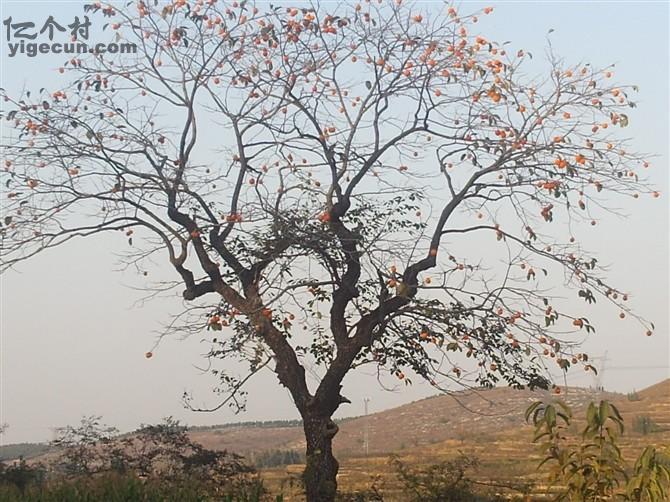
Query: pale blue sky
x=73, y=343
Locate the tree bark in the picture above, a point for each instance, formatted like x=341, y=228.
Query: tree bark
x=320, y=475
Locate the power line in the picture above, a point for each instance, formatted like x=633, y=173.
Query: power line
x=638, y=367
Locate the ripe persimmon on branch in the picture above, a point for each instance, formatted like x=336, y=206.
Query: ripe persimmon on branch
x=374, y=185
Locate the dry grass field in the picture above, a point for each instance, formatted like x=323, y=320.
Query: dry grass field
x=487, y=424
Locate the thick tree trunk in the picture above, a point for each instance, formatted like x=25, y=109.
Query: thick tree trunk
x=320, y=476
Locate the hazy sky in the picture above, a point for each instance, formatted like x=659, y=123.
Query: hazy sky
x=73, y=339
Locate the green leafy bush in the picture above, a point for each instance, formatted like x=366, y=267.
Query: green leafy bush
x=21, y=475
x=644, y=424
x=590, y=467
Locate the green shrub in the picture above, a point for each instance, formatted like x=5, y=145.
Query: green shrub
x=590, y=467
x=447, y=481
x=644, y=424
x=21, y=475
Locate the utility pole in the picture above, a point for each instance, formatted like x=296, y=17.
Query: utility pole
x=366, y=428
x=601, y=374
x=598, y=380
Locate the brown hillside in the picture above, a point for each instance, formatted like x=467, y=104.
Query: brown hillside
x=653, y=401
x=465, y=415
x=659, y=391
x=487, y=425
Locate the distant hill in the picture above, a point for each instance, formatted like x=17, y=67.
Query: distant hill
x=420, y=423
x=25, y=450
x=432, y=424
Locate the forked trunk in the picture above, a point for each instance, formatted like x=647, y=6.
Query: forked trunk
x=320, y=474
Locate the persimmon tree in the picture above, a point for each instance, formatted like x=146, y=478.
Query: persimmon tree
x=374, y=185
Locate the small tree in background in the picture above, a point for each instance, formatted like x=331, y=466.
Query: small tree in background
x=162, y=453
x=444, y=481
x=85, y=448
x=166, y=452
x=334, y=187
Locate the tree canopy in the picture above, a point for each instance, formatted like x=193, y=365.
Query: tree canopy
x=335, y=186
